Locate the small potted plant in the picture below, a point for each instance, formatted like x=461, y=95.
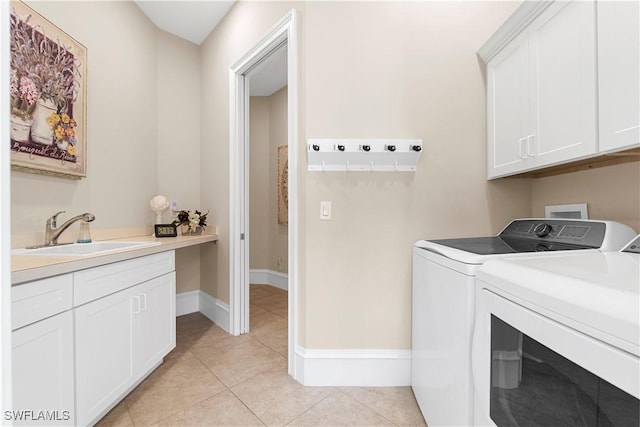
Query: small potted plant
x=191, y=222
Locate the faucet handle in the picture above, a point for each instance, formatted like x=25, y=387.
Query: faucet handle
x=53, y=219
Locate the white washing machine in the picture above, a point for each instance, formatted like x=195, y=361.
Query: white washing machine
x=444, y=297
x=557, y=340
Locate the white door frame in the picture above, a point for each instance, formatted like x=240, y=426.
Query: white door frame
x=284, y=30
x=5, y=218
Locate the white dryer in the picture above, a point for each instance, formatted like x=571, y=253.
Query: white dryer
x=443, y=302
x=557, y=340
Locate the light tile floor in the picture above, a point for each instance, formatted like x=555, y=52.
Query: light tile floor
x=215, y=379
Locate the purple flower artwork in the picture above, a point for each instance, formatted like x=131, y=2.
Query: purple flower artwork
x=48, y=96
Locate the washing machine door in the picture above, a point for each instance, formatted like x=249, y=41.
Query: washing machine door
x=531, y=370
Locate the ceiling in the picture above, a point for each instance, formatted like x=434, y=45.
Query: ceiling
x=193, y=20
x=190, y=20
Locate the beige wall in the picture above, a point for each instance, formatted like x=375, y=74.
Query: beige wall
x=139, y=143
x=178, y=140
x=243, y=26
x=384, y=70
x=121, y=123
x=611, y=193
x=394, y=70
x=268, y=130
x=259, y=173
x=278, y=233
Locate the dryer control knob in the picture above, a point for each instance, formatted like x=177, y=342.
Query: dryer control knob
x=542, y=229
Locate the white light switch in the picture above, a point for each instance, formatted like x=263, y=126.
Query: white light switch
x=325, y=210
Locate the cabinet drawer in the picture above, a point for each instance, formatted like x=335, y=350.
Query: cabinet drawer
x=97, y=282
x=39, y=299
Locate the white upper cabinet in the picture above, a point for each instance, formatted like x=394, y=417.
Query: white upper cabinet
x=619, y=74
x=541, y=87
x=508, y=108
x=563, y=84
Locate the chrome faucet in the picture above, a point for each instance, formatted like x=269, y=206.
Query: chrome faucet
x=52, y=232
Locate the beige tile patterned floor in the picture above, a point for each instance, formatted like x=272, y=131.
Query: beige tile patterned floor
x=214, y=379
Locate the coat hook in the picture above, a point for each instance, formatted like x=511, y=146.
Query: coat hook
x=347, y=165
x=323, y=168
x=396, y=165
x=373, y=166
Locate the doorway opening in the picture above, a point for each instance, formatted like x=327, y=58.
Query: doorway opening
x=268, y=202
x=281, y=38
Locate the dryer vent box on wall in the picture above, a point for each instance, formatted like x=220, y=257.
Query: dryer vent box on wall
x=575, y=211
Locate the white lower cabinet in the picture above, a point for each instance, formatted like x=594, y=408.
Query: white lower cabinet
x=119, y=339
x=43, y=389
x=81, y=341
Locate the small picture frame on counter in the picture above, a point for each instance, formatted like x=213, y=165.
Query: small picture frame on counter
x=165, y=230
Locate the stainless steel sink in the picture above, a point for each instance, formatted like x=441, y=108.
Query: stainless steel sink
x=83, y=249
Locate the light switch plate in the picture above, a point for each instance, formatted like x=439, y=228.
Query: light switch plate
x=325, y=211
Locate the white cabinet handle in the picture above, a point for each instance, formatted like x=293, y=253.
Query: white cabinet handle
x=144, y=302
x=136, y=303
x=531, y=143
x=521, y=148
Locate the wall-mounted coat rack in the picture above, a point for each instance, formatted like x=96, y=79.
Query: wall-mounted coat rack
x=375, y=155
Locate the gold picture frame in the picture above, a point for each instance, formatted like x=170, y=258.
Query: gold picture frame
x=283, y=184
x=48, y=97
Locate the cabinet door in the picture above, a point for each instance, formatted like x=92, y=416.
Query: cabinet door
x=563, y=83
x=618, y=74
x=104, y=353
x=508, y=108
x=43, y=371
x=156, y=332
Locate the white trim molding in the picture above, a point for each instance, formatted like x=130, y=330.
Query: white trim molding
x=353, y=368
x=512, y=27
x=273, y=278
x=284, y=31
x=217, y=311
x=187, y=302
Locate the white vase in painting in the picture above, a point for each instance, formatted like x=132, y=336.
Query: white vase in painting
x=20, y=129
x=41, y=131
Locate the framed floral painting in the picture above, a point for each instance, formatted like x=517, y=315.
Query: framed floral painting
x=48, y=97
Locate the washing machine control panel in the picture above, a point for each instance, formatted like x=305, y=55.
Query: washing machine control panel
x=584, y=233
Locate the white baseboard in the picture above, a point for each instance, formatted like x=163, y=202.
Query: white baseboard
x=216, y=310
x=269, y=277
x=187, y=302
x=191, y=302
x=353, y=368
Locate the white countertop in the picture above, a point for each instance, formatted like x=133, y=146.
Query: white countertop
x=25, y=268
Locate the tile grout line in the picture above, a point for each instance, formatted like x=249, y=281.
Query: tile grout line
x=335, y=389
x=196, y=403
x=373, y=409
